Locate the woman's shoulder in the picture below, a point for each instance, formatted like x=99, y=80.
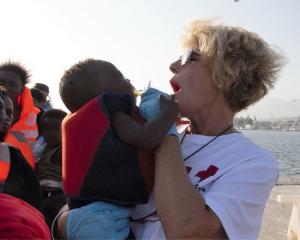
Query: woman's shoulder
x=252, y=153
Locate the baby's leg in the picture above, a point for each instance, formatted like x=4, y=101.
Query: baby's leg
x=97, y=220
x=62, y=223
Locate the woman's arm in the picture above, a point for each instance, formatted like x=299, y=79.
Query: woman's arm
x=181, y=208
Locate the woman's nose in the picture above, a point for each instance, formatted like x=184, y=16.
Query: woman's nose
x=174, y=67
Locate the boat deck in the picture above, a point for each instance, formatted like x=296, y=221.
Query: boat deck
x=277, y=216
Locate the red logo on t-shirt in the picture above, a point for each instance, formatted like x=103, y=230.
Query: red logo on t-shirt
x=211, y=170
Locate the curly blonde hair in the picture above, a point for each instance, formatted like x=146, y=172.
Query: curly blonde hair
x=242, y=64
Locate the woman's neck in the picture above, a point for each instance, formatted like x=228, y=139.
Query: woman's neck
x=212, y=122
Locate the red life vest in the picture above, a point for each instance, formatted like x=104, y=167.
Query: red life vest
x=96, y=164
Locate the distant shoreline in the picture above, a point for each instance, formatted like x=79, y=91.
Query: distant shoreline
x=269, y=130
x=288, y=180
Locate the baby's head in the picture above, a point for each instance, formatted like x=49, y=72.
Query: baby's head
x=88, y=79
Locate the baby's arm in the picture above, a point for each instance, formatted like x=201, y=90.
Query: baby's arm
x=148, y=135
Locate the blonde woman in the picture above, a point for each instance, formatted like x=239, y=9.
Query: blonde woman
x=213, y=182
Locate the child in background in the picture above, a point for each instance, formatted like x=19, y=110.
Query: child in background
x=102, y=139
x=49, y=168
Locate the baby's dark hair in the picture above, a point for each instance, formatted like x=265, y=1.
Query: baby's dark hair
x=86, y=80
x=18, y=69
x=54, y=113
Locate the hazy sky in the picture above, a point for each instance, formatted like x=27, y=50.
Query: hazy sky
x=140, y=37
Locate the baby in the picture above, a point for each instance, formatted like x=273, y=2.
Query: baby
x=106, y=158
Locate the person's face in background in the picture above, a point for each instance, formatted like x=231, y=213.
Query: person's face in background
x=13, y=83
x=51, y=130
x=36, y=102
x=7, y=110
x=46, y=94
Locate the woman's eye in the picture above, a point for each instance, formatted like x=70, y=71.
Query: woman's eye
x=192, y=59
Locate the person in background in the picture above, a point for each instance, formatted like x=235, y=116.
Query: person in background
x=45, y=91
x=6, y=112
x=213, y=182
x=49, y=168
x=17, y=178
x=19, y=220
x=39, y=99
x=24, y=131
x=14, y=77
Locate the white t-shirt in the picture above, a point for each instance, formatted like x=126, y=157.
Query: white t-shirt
x=234, y=176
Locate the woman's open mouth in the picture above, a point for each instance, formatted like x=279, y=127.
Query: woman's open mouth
x=176, y=88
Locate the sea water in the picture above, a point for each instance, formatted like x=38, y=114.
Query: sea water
x=285, y=146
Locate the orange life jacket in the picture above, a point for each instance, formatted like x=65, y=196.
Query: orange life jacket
x=17, y=140
x=27, y=123
x=4, y=161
